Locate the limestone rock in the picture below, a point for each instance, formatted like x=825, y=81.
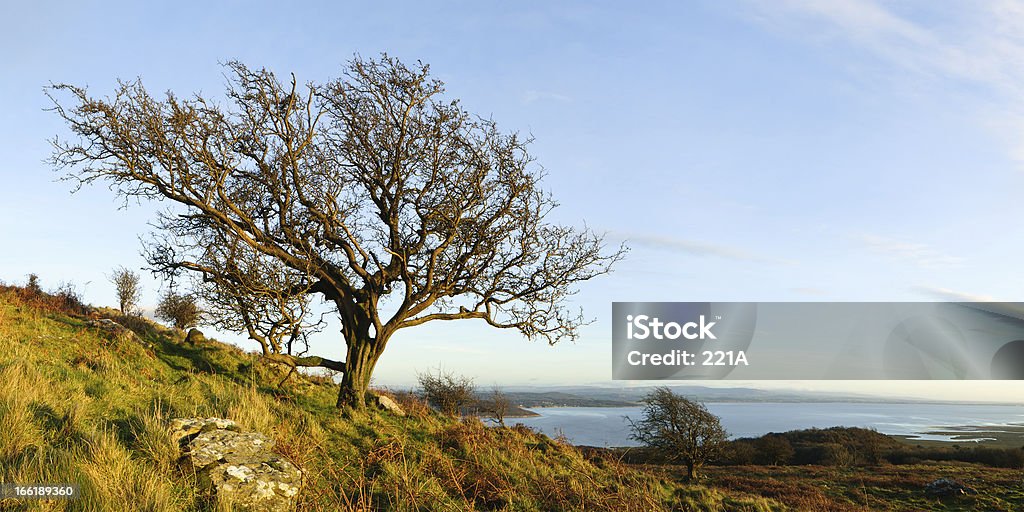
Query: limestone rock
x=227, y=446
x=236, y=467
x=194, y=336
x=948, y=487
x=185, y=427
x=271, y=484
x=113, y=329
x=390, y=405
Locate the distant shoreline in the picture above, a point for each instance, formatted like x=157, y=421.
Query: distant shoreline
x=940, y=425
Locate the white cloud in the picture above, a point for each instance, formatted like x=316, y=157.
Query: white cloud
x=978, y=44
x=809, y=290
x=951, y=295
x=694, y=247
x=918, y=254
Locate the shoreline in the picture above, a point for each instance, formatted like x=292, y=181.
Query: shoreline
x=1008, y=434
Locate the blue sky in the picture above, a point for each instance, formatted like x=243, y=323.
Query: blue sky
x=753, y=151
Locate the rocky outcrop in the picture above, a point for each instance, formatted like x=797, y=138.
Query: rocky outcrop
x=194, y=336
x=946, y=487
x=112, y=329
x=237, y=467
x=387, y=404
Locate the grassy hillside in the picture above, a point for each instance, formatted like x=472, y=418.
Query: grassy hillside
x=79, y=403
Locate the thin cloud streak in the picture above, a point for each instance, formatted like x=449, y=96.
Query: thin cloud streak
x=918, y=254
x=693, y=247
x=951, y=295
x=983, y=47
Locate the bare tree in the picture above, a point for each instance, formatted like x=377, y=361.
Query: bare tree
x=370, y=190
x=498, y=405
x=680, y=429
x=129, y=289
x=448, y=392
x=180, y=310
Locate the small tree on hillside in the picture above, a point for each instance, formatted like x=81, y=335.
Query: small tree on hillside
x=128, y=286
x=448, y=392
x=499, y=406
x=681, y=430
x=33, y=286
x=179, y=309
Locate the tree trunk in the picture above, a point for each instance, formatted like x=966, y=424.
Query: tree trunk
x=359, y=363
x=691, y=471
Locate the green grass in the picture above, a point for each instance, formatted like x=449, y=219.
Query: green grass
x=81, y=405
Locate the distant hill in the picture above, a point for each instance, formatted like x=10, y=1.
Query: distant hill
x=631, y=395
x=530, y=399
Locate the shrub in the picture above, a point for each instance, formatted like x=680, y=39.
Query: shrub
x=179, y=309
x=446, y=391
x=32, y=286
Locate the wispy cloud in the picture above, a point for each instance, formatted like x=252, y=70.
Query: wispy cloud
x=951, y=295
x=980, y=44
x=693, y=247
x=809, y=290
x=918, y=254
x=533, y=96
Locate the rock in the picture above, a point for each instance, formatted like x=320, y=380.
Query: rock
x=268, y=485
x=115, y=330
x=185, y=427
x=236, y=467
x=387, y=404
x=947, y=487
x=194, y=336
x=227, y=446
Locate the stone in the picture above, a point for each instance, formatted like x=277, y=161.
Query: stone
x=236, y=467
x=115, y=330
x=194, y=336
x=271, y=484
x=182, y=428
x=387, y=404
x=947, y=487
x=227, y=446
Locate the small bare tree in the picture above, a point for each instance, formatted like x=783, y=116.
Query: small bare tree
x=680, y=429
x=499, y=405
x=128, y=286
x=180, y=310
x=448, y=392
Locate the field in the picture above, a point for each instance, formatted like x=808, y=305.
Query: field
x=883, y=487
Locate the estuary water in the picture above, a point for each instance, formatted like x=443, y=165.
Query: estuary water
x=607, y=426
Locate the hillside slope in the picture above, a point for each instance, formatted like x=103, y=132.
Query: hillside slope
x=90, y=405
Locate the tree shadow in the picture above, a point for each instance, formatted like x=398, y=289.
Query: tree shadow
x=198, y=357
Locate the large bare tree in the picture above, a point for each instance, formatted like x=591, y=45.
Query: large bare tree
x=371, y=192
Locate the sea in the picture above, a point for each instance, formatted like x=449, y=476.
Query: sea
x=608, y=426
